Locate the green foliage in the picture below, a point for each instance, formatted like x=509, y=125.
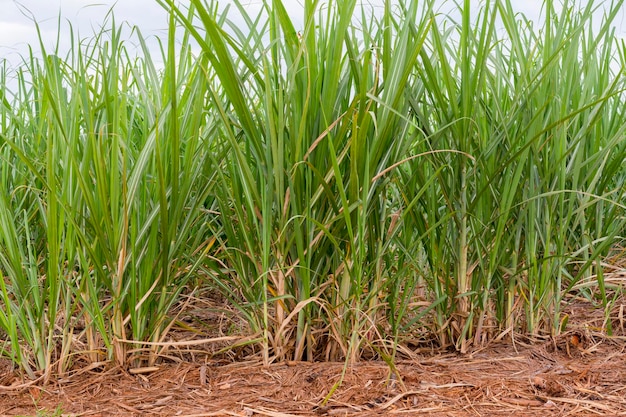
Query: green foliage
x=104, y=177
x=360, y=184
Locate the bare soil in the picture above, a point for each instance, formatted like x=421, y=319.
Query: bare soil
x=582, y=372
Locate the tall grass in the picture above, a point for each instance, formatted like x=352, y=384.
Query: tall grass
x=541, y=199
x=354, y=187
x=372, y=158
x=104, y=178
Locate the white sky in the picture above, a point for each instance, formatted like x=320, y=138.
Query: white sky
x=17, y=29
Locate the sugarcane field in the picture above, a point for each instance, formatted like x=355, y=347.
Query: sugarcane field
x=308, y=208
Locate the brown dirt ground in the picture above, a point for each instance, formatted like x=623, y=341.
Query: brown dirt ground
x=582, y=373
x=545, y=380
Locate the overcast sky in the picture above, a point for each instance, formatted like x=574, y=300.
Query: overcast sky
x=17, y=29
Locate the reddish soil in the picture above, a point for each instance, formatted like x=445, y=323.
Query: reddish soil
x=572, y=375
x=582, y=372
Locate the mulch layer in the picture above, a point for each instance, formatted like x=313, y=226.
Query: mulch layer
x=581, y=372
x=574, y=374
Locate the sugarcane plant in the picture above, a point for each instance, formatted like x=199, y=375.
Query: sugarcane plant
x=355, y=182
